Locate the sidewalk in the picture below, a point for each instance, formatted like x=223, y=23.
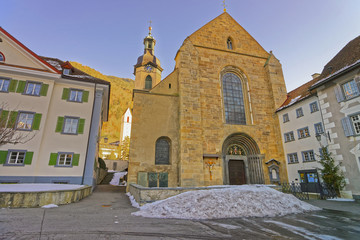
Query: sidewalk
x=353, y=207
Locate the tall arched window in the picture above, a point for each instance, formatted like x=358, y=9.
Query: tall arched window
x=162, y=151
x=148, y=82
x=2, y=58
x=233, y=99
x=229, y=44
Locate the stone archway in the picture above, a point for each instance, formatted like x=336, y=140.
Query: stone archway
x=242, y=160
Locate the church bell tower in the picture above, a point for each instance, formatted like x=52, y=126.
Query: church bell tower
x=147, y=70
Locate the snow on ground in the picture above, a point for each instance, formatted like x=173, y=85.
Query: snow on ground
x=50, y=206
x=233, y=202
x=132, y=200
x=37, y=187
x=341, y=199
x=116, y=178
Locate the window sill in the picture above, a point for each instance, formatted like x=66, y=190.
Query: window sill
x=14, y=165
x=293, y=162
x=303, y=137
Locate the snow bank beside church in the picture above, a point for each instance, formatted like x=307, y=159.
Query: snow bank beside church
x=232, y=202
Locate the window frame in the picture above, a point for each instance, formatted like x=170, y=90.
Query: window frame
x=229, y=43
x=289, y=155
x=77, y=126
x=316, y=130
x=35, y=83
x=354, y=87
x=148, y=80
x=9, y=155
x=308, y=154
x=303, y=129
x=286, y=118
x=18, y=118
x=291, y=137
x=2, y=84
x=77, y=90
x=63, y=165
x=353, y=123
x=299, y=112
x=316, y=107
x=3, y=57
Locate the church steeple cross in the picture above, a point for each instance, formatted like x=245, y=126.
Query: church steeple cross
x=150, y=28
x=224, y=5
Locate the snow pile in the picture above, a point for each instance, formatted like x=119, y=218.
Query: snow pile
x=116, y=178
x=37, y=187
x=233, y=202
x=50, y=206
x=132, y=200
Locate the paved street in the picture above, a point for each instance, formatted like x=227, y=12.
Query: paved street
x=106, y=214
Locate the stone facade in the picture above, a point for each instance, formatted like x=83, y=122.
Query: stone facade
x=188, y=108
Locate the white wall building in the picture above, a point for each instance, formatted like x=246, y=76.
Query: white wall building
x=125, y=129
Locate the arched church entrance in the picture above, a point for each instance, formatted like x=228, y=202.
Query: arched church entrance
x=242, y=160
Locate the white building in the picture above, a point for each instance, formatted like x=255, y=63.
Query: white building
x=125, y=129
x=300, y=122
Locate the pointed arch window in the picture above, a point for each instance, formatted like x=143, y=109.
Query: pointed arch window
x=162, y=151
x=2, y=58
x=229, y=44
x=148, y=82
x=233, y=99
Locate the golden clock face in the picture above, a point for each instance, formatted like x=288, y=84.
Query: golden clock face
x=148, y=68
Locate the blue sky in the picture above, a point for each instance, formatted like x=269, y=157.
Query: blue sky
x=108, y=35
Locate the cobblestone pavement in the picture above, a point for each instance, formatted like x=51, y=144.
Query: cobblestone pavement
x=106, y=214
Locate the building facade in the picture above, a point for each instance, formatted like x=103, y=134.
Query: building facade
x=338, y=90
x=211, y=121
x=57, y=112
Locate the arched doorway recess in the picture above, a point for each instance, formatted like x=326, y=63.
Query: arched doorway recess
x=242, y=160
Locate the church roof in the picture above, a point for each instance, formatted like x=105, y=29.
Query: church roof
x=75, y=74
x=345, y=60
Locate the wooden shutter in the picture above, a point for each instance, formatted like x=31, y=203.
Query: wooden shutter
x=12, y=119
x=346, y=124
x=28, y=158
x=13, y=84
x=3, y=118
x=163, y=179
x=65, y=94
x=75, y=160
x=59, y=124
x=21, y=87
x=339, y=94
x=53, y=159
x=85, y=96
x=37, y=120
x=44, y=89
x=81, y=126
x=3, y=156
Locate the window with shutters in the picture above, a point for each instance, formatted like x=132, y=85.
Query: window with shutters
x=350, y=89
x=289, y=137
x=148, y=82
x=32, y=88
x=4, y=85
x=162, y=151
x=64, y=159
x=314, y=107
x=16, y=158
x=303, y=132
x=25, y=121
x=355, y=120
x=70, y=125
x=75, y=95
x=293, y=158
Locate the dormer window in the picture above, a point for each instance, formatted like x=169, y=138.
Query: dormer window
x=229, y=44
x=2, y=58
x=66, y=71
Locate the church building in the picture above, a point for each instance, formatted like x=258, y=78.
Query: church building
x=212, y=120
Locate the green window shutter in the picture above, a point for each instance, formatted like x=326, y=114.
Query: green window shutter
x=28, y=157
x=37, y=120
x=59, y=124
x=12, y=119
x=81, y=125
x=85, y=96
x=65, y=94
x=21, y=87
x=44, y=89
x=12, y=86
x=3, y=156
x=75, y=160
x=53, y=159
x=3, y=118
x=163, y=179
